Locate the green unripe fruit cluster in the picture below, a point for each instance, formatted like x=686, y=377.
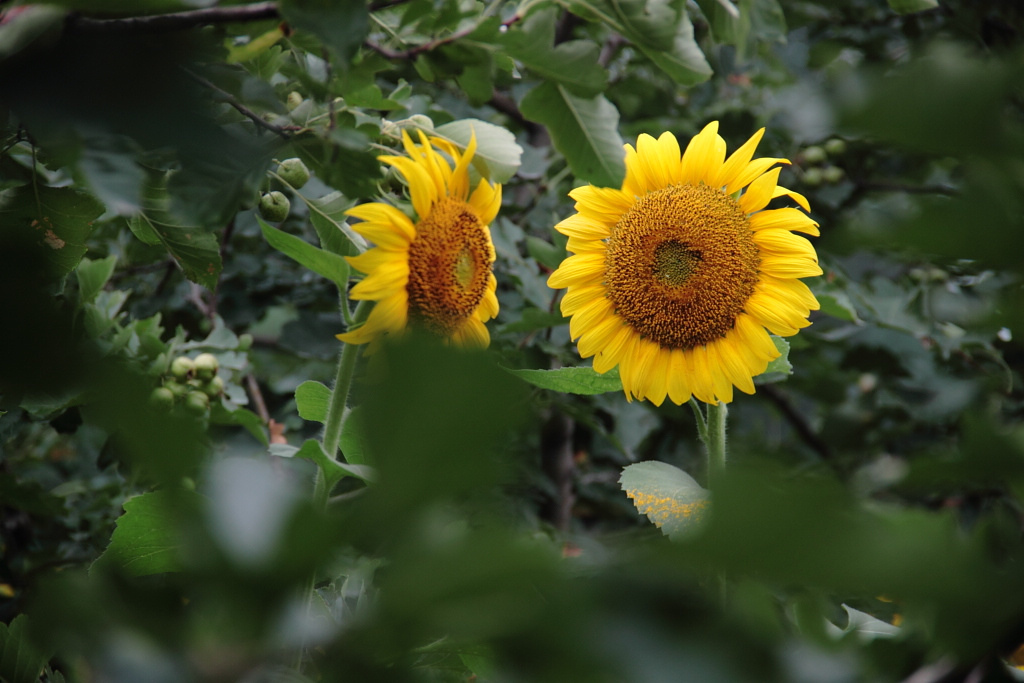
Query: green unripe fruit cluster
x=274, y=206
x=294, y=172
x=814, y=159
x=191, y=383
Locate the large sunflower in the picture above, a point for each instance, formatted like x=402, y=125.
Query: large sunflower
x=434, y=273
x=676, y=277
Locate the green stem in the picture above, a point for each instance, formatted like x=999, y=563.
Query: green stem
x=715, y=441
x=339, y=395
x=332, y=434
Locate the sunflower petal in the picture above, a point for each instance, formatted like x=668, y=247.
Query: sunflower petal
x=737, y=161
x=755, y=169
x=785, y=219
x=581, y=269
x=759, y=193
x=795, y=196
x=703, y=157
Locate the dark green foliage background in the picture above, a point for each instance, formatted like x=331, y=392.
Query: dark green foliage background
x=478, y=531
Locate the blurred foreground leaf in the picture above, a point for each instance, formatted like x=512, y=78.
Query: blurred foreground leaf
x=148, y=539
x=20, y=660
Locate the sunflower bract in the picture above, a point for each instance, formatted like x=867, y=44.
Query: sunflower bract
x=433, y=274
x=679, y=276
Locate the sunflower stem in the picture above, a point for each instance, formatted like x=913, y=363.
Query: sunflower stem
x=343, y=382
x=336, y=409
x=715, y=441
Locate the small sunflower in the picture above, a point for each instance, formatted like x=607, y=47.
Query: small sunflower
x=433, y=274
x=678, y=277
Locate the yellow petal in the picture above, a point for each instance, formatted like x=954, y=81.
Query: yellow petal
x=737, y=161
x=383, y=281
x=795, y=196
x=584, y=228
x=382, y=214
x=757, y=196
x=753, y=170
x=796, y=291
x=599, y=336
x=678, y=386
x=588, y=316
x=784, y=243
x=580, y=269
x=486, y=201
x=733, y=365
x=779, y=319
x=789, y=266
x=703, y=157
x=615, y=350
x=601, y=201
x=472, y=334
x=785, y=219
x=370, y=260
x=578, y=297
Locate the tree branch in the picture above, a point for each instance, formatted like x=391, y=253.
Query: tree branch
x=230, y=99
x=176, y=21
x=797, y=422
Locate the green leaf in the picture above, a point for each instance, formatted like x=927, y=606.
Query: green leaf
x=324, y=263
x=196, y=250
x=684, y=62
x=911, y=6
x=573, y=64
x=20, y=660
x=341, y=26
x=583, y=380
x=147, y=539
x=780, y=368
x=327, y=215
x=544, y=252
x=865, y=626
x=497, y=153
x=93, y=276
x=667, y=495
x=56, y=221
x=535, y=319
x=353, y=438
x=838, y=305
x=312, y=399
x=241, y=417
x=343, y=161
x=661, y=29
x=333, y=470
x=585, y=131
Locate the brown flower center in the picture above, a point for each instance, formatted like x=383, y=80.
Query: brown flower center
x=449, y=265
x=681, y=263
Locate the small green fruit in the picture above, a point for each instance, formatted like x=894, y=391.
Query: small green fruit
x=813, y=177
x=206, y=366
x=245, y=342
x=835, y=147
x=181, y=366
x=293, y=101
x=814, y=155
x=293, y=172
x=177, y=389
x=214, y=388
x=833, y=174
x=162, y=398
x=274, y=206
x=197, y=402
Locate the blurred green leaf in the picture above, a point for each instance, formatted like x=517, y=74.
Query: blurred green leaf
x=21, y=661
x=324, y=263
x=497, y=153
x=39, y=23
x=93, y=276
x=341, y=26
x=911, y=6
x=585, y=131
x=312, y=399
x=582, y=380
x=669, y=497
x=333, y=470
x=57, y=220
x=148, y=538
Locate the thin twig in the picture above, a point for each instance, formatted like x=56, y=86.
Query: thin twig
x=909, y=189
x=797, y=421
x=176, y=21
x=282, y=131
x=257, y=398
